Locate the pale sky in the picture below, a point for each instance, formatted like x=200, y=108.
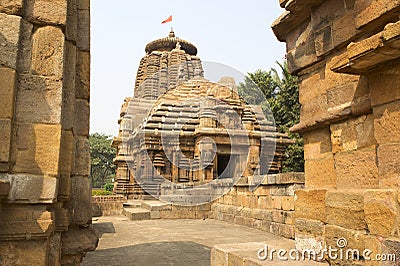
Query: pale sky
x=233, y=33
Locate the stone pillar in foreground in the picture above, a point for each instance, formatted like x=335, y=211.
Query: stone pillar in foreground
x=45, y=195
x=346, y=53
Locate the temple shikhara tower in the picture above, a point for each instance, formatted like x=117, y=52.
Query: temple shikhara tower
x=181, y=130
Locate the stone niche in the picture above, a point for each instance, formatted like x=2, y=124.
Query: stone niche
x=347, y=56
x=45, y=195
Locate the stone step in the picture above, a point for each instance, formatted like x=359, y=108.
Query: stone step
x=133, y=204
x=188, y=191
x=155, y=205
x=247, y=254
x=185, y=199
x=137, y=214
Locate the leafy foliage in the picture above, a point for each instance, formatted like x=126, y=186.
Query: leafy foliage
x=280, y=100
x=100, y=192
x=258, y=88
x=108, y=187
x=101, y=154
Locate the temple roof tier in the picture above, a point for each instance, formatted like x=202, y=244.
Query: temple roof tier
x=169, y=43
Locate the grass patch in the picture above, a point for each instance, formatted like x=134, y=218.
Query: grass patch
x=101, y=192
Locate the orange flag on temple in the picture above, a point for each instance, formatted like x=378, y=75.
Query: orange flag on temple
x=167, y=20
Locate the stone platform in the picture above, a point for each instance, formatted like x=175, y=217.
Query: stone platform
x=137, y=210
x=180, y=242
x=242, y=254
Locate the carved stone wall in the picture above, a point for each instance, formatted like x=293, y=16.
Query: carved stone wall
x=45, y=195
x=346, y=53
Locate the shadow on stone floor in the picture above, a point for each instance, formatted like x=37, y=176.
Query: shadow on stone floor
x=180, y=253
x=104, y=228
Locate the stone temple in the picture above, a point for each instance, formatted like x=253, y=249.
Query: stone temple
x=347, y=56
x=182, y=129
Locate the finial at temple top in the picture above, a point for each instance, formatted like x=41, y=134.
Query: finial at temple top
x=171, y=33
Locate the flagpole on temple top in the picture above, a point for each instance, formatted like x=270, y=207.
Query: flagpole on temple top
x=169, y=19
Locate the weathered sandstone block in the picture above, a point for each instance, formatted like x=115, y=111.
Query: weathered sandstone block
x=31, y=252
x=9, y=37
x=309, y=227
x=69, y=79
x=355, y=240
x=11, y=6
x=320, y=173
x=288, y=203
x=388, y=165
x=48, y=52
x=27, y=188
x=80, y=205
x=345, y=208
x=353, y=134
x=375, y=9
x=317, y=144
x=386, y=123
x=82, y=157
x=82, y=115
x=310, y=204
x=83, y=36
x=5, y=140
x=37, y=91
x=344, y=28
x=333, y=79
x=7, y=92
x=71, y=21
x=83, y=76
x=315, y=108
x=67, y=156
x=385, y=86
x=357, y=169
x=77, y=241
x=49, y=11
x=381, y=212
x=38, y=149
x=83, y=4
x=309, y=234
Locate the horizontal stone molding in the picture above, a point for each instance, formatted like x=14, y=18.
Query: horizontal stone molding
x=361, y=106
x=297, y=12
x=272, y=179
x=30, y=189
x=366, y=55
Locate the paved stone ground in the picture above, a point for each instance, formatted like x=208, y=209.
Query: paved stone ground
x=167, y=242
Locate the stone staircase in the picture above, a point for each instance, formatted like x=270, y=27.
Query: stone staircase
x=137, y=210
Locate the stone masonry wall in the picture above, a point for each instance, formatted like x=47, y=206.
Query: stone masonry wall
x=269, y=207
x=45, y=199
x=107, y=205
x=346, y=54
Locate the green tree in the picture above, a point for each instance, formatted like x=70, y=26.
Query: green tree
x=258, y=88
x=101, y=154
x=281, y=94
x=288, y=114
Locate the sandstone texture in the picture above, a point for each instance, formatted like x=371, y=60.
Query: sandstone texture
x=45, y=199
x=347, y=58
